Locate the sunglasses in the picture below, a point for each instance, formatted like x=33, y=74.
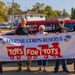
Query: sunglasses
x=41, y=29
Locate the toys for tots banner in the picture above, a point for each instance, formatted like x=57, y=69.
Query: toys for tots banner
x=40, y=47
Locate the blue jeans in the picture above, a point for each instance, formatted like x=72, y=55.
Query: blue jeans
x=74, y=64
x=63, y=64
x=0, y=66
x=42, y=62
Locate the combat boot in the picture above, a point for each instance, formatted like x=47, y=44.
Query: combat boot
x=19, y=69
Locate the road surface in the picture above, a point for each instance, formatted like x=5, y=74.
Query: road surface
x=9, y=68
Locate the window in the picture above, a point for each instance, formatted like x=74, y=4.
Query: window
x=41, y=16
x=51, y=27
x=48, y=27
x=32, y=27
x=25, y=16
x=70, y=26
x=14, y=16
x=18, y=16
x=31, y=15
x=56, y=26
x=21, y=16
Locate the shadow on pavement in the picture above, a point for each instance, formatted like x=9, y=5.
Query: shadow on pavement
x=33, y=73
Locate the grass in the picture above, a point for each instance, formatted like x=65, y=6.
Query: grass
x=6, y=30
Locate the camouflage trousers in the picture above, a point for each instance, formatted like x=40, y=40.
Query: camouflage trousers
x=28, y=63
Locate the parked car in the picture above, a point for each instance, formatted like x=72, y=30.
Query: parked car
x=8, y=26
x=14, y=26
x=2, y=26
x=50, y=27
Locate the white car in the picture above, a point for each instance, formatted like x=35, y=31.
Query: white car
x=3, y=26
x=8, y=26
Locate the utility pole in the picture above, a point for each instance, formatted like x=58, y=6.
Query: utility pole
x=12, y=13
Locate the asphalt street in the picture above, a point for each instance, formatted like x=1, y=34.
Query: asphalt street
x=9, y=68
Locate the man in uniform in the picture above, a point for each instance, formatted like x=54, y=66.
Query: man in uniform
x=23, y=30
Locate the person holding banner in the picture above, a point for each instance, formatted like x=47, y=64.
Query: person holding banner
x=0, y=61
x=61, y=29
x=74, y=59
x=23, y=30
x=42, y=62
x=73, y=28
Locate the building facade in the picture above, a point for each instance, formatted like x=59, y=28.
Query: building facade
x=29, y=15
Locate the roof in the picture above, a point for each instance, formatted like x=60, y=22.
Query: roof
x=28, y=12
x=57, y=17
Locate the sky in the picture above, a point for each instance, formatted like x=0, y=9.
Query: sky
x=55, y=4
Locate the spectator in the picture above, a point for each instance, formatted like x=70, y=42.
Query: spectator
x=23, y=30
x=42, y=62
x=61, y=29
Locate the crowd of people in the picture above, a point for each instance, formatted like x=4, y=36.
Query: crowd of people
x=24, y=30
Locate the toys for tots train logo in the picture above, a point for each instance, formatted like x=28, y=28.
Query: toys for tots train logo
x=53, y=51
x=45, y=51
x=15, y=51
